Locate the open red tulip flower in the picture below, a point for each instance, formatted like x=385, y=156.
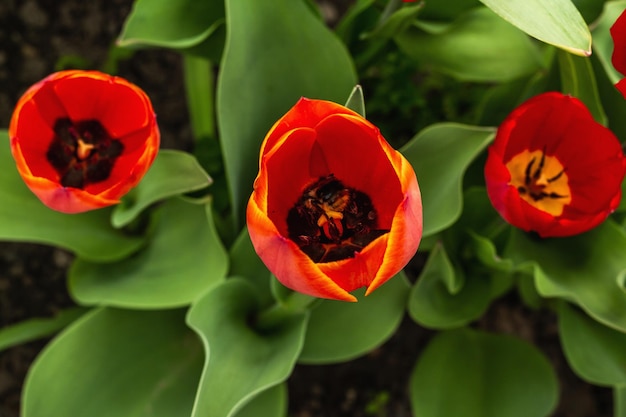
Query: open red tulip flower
x=553, y=169
x=83, y=139
x=334, y=206
x=618, y=33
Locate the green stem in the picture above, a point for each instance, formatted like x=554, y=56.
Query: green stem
x=280, y=312
x=200, y=89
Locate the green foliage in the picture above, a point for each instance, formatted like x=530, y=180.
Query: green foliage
x=242, y=362
x=444, y=297
x=117, y=362
x=450, y=149
x=159, y=184
x=477, y=46
x=556, y=22
x=340, y=331
x=469, y=373
x=585, y=269
x=183, y=259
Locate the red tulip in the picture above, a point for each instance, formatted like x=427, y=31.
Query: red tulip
x=334, y=206
x=618, y=33
x=553, y=169
x=83, y=139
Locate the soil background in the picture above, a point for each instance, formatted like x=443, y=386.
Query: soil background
x=38, y=35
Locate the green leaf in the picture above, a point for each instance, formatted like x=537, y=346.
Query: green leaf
x=442, y=298
x=184, y=258
x=340, y=331
x=578, y=79
x=478, y=46
x=241, y=361
x=171, y=24
x=173, y=173
x=602, y=40
x=270, y=403
x=245, y=263
x=276, y=52
x=24, y=218
x=117, y=363
x=440, y=154
x=595, y=352
x=556, y=22
x=584, y=269
x=356, y=102
x=469, y=373
x=33, y=329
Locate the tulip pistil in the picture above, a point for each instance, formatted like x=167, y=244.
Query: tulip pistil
x=82, y=152
x=540, y=180
x=331, y=222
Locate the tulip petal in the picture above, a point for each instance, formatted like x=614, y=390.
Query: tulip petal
x=352, y=147
x=286, y=261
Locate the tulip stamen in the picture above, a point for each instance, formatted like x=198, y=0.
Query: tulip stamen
x=543, y=184
x=82, y=152
x=331, y=222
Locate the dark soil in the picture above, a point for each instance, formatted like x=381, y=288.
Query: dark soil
x=37, y=35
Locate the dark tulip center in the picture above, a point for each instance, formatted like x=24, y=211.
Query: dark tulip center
x=331, y=222
x=82, y=152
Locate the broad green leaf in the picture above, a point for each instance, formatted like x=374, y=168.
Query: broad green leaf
x=245, y=263
x=356, y=102
x=440, y=154
x=269, y=403
x=33, y=329
x=24, y=218
x=339, y=331
x=276, y=52
x=183, y=259
x=173, y=173
x=584, y=269
x=442, y=298
x=117, y=363
x=241, y=361
x=470, y=373
x=578, y=79
x=171, y=24
x=556, y=22
x=478, y=46
x=595, y=352
x=602, y=40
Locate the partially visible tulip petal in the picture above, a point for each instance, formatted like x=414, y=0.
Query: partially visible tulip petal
x=83, y=139
x=334, y=207
x=618, y=33
x=553, y=169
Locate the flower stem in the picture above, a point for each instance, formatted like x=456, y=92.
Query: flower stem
x=199, y=86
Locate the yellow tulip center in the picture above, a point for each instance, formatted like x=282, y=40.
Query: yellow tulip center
x=541, y=181
x=331, y=222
